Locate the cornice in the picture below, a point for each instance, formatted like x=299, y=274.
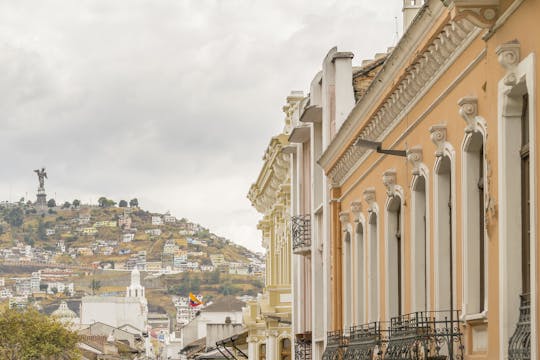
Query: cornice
x=403, y=51
x=429, y=65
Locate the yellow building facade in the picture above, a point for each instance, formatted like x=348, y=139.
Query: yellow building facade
x=269, y=318
x=432, y=192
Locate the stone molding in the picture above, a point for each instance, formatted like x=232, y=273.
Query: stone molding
x=344, y=219
x=468, y=109
x=428, y=65
x=438, y=136
x=415, y=157
x=389, y=180
x=369, y=197
x=482, y=13
x=356, y=209
x=509, y=56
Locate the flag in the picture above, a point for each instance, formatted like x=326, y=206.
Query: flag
x=194, y=301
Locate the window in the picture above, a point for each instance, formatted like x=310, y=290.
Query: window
x=444, y=261
x=394, y=265
x=473, y=224
x=419, y=240
x=285, y=349
x=373, y=286
x=347, y=283
x=262, y=352
x=360, y=274
x=525, y=200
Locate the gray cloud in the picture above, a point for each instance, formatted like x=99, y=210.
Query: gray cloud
x=170, y=101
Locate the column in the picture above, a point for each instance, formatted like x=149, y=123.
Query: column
x=252, y=348
x=271, y=345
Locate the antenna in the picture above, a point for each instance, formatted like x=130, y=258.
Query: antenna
x=396, y=35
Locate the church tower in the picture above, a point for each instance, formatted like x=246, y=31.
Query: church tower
x=410, y=9
x=135, y=289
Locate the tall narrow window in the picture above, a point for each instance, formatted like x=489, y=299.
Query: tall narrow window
x=394, y=266
x=373, y=288
x=347, y=283
x=360, y=274
x=473, y=224
x=443, y=235
x=419, y=239
x=525, y=200
x=262, y=352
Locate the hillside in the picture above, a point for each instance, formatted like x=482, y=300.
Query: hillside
x=118, y=238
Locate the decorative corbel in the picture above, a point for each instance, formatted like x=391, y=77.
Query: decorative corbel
x=369, y=197
x=356, y=209
x=482, y=13
x=438, y=136
x=468, y=109
x=415, y=157
x=344, y=219
x=509, y=56
x=389, y=180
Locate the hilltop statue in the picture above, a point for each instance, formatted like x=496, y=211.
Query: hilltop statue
x=41, y=201
x=42, y=175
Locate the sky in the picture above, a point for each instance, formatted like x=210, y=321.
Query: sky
x=172, y=102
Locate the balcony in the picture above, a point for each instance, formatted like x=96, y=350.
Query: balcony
x=301, y=234
x=520, y=343
x=302, y=346
x=364, y=342
x=433, y=335
x=336, y=345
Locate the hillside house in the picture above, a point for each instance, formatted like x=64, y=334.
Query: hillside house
x=153, y=232
x=89, y=231
x=157, y=221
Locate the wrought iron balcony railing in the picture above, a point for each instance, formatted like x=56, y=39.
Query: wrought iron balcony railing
x=301, y=233
x=336, y=345
x=431, y=335
x=519, y=347
x=364, y=342
x=302, y=346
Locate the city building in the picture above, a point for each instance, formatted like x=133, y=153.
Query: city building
x=268, y=319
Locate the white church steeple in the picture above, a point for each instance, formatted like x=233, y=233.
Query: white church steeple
x=135, y=289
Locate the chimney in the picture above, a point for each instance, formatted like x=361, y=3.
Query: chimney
x=410, y=9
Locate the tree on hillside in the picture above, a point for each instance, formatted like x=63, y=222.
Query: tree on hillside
x=76, y=203
x=51, y=203
x=95, y=285
x=105, y=203
x=66, y=205
x=134, y=202
x=28, y=335
x=42, y=230
x=15, y=217
x=122, y=203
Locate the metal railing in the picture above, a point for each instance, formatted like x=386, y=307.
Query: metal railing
x=301, y=233
x=364, y=342
x=519, y=347
x=336, y=345
x=302, y=346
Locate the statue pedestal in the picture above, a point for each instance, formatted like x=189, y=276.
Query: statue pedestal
x=41, y=198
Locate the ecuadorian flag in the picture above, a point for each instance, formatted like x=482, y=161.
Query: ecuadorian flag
x=194, y=301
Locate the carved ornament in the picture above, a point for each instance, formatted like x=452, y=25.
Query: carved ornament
x=415, y=158
x=509, y=56
x=356, y=209
x=468, y=109
x=482, y=13
x=369, y=198
x=438, y=136
x=389, y=180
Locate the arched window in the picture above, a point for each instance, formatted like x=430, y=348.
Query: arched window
x=360, y=274
x=444, y=254
x=262, y=352
x=395, y=259
x=373, y=275
x=285, y=349
x=347, y=282
x=420, y=244
x=473, y=224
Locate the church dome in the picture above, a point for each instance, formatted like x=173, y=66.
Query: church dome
x=64, y=312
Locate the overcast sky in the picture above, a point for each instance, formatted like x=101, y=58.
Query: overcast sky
x=169, y=101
